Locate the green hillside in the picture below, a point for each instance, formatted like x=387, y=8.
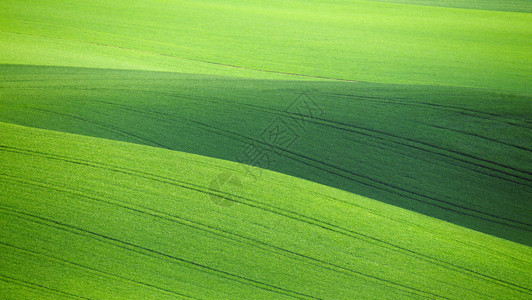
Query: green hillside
x=253, y=149
x=434, y=150
x=92, y=218
x=352, y=40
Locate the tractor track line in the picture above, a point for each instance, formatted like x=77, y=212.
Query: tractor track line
x=37, y=286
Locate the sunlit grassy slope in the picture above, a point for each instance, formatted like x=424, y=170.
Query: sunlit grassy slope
x=462, y=155
x=93, y=218
x=354, y=40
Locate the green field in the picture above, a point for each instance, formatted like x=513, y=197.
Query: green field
x=111, y=219
x=422, y=148
x=354, y=40
x=130, y=131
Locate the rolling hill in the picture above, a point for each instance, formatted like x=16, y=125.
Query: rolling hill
x=350, y=40
x=237, y=149
x=90, y=218
x=434, y=150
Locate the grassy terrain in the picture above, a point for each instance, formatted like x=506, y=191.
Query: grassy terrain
x=265, y=149
x=92, y=218
x=434, y=150
x=352, y=40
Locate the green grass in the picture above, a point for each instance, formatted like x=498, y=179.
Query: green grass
x=354, y=40
x=435, y=150
x=412, y=177
x=96, y=218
